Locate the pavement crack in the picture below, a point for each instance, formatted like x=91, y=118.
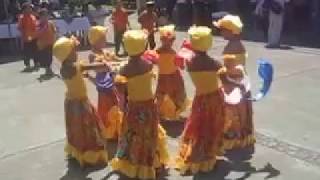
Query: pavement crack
x=295, y=151
x=32, y=148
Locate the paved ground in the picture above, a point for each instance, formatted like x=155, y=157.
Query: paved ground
x=32, y=130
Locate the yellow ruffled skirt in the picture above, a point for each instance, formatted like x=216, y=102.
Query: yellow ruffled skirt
x=88, y=157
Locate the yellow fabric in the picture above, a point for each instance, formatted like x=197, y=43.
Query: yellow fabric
x=62, y=48
x=236, y=143
x=168, y=109
x=140, y=87
x=167, y=31
x=195, y=168
x=120, y=79
x=140, y=171
x=230, y=22
x=162, y=148
x=135, y=42
x=104, y=56
x=115, y=116
x=236, y=58
x=76, y=87
x=167, y=63
x=133, y=171
x=201, y=38
x=205, y=82
x=88, y=157
x=96, y=33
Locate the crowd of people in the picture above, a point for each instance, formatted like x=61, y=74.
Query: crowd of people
x=38, y=35
x=129, y=111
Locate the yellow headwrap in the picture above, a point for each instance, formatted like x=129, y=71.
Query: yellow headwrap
x=201, y=38
x=230, y=22
x=135, y=41
x=167, y=31
x=96, y=33
x=63, y=47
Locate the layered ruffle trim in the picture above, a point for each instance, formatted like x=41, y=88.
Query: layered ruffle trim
x=229, y=144
x=169, y=110
x=194, y=168
x=87, y=157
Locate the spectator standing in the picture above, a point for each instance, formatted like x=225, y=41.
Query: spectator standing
x=98, y=15
x=46, y=35
x=120, y=23
x=148, y=20
x=262, y=17
x=184, y=7
x=27, y=24
x=276, y=9
x=201, y=13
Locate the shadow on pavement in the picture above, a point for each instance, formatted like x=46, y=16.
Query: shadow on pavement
x=238, y=161
x=174, y=128
x=76, y=172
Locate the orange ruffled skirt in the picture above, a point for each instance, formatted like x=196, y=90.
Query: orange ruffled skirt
x=110, y=113
x=83, y=127
x=171, y=95
x=239, y=129
x=201, y=139
x=142, y=146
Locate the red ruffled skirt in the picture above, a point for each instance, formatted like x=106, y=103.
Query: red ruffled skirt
x=201, y=139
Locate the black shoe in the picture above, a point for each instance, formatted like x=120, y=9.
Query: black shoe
x=27, y=69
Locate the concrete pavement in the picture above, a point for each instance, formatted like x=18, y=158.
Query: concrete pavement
x=32, y=130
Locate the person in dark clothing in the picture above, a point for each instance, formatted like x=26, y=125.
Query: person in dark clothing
x=202, y=13
x=170, y=7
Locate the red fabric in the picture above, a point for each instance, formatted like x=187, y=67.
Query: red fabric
x=151, y=56
x=27, y=24
x=147, y=21
x=106, y=100
x=207, y=118
x=82, y=122
x=120, y=19
x=184, y=54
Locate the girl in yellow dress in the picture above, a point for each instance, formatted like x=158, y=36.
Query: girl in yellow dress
x=171, y=94
x=108, y=100
x=201, y=138
x=83, y=125
x=142, y=147
x=239, y=129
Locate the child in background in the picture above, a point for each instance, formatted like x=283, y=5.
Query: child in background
x=203, y=131
x=239, y=129
x=83, y=125
x=108, y=101
x=120, y=23
x=142, y=148
x=46, y=35
x=148, y=21
x=27, y=25
x=171, y=93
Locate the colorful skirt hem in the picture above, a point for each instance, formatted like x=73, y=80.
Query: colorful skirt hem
x=87, y=157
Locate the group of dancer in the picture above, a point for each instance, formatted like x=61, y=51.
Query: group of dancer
x=130, y=112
